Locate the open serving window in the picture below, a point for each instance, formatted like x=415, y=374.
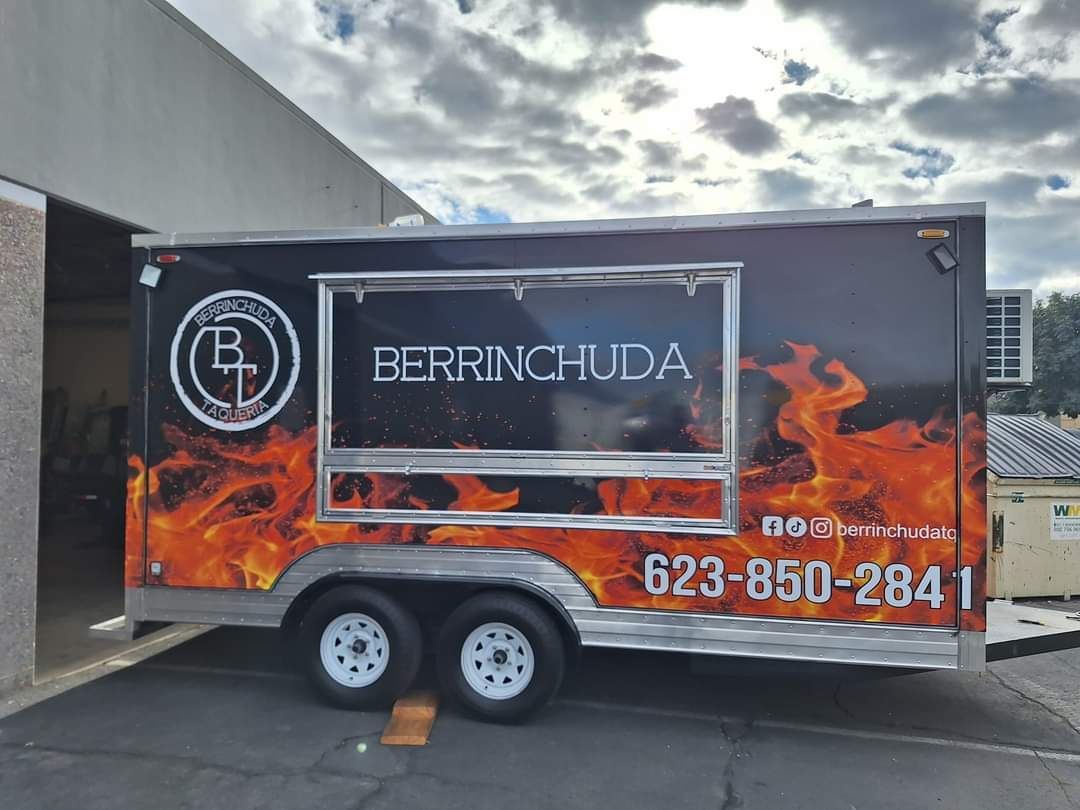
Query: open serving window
x=593, y=397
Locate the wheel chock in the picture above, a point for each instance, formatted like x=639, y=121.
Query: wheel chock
x=411, y=719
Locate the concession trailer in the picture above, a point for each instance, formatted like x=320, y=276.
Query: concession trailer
x=754, y=435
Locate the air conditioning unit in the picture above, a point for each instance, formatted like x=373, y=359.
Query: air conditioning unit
x=1008, y=338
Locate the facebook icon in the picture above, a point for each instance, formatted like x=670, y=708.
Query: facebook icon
x=772, y=525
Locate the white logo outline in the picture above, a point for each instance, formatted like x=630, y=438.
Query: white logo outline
x=174, y=366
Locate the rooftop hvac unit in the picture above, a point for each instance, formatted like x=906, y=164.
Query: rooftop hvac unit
x=1008, y=338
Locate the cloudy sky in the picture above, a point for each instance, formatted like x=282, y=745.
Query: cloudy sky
x=495, y=110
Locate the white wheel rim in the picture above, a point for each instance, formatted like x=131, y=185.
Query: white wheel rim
x=354, y=650
x=497, y=661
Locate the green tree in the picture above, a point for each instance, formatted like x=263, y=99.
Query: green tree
x=1056, y=385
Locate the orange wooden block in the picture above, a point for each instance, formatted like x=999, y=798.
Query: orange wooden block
x=411, y=719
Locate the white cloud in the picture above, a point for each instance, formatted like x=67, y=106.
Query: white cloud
x=557, y=109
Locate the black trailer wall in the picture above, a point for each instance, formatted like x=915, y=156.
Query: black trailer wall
x=851, y=321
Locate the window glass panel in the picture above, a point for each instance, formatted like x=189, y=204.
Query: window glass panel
x=634, y=368
x=628, y=497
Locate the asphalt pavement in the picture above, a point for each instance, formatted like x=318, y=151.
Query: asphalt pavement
x=223, y=722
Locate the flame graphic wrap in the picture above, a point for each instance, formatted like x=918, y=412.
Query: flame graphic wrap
x=135, y=522
x=231, y=515
x=973, y=519
x=655, y=497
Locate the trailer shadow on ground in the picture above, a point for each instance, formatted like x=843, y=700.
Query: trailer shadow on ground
x=223, y=721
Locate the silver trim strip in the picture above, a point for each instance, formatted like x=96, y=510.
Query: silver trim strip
x=825, y=216
x=323, y=397
x=601, y=463
x=445, y=517
x=958, y=350
x=710, y=271
x=972, y=652
x=790, y=639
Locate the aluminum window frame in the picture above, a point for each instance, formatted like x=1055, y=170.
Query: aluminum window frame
x=720, y=466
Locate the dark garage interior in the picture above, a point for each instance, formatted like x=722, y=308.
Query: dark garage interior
x=84, y=423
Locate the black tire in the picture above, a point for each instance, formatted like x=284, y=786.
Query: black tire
x=400, y=638
x=542, y=635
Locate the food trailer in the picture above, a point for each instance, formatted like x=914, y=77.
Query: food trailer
x=746, y=435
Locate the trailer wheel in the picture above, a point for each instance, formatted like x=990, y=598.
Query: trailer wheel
x=361, y=649
x=501, y=657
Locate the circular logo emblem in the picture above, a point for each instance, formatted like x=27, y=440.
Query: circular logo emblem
x=235, y=359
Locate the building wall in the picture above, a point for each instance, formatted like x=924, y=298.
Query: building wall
x=22, y=266
x=1030, y=562
x=126, y=108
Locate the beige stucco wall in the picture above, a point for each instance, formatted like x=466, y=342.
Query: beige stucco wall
x=22, y=275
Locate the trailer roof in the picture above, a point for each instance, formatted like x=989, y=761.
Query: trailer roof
x=1027, y=446
x=823, y=216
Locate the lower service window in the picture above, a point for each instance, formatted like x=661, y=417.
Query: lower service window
x=591, y=397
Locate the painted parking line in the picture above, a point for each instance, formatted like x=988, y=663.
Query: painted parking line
x=777, y=725
x=133, y=654
x=835, y=731
x=61, y=682
x=228, y=672
x=942, y=742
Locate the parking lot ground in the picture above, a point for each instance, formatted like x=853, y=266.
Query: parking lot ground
x=223, y=722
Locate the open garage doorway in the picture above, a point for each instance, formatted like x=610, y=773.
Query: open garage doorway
x=84, y=424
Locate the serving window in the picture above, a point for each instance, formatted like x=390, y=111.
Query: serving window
x=600, y=397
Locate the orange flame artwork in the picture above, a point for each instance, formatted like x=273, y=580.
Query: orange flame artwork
x=223, y=514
